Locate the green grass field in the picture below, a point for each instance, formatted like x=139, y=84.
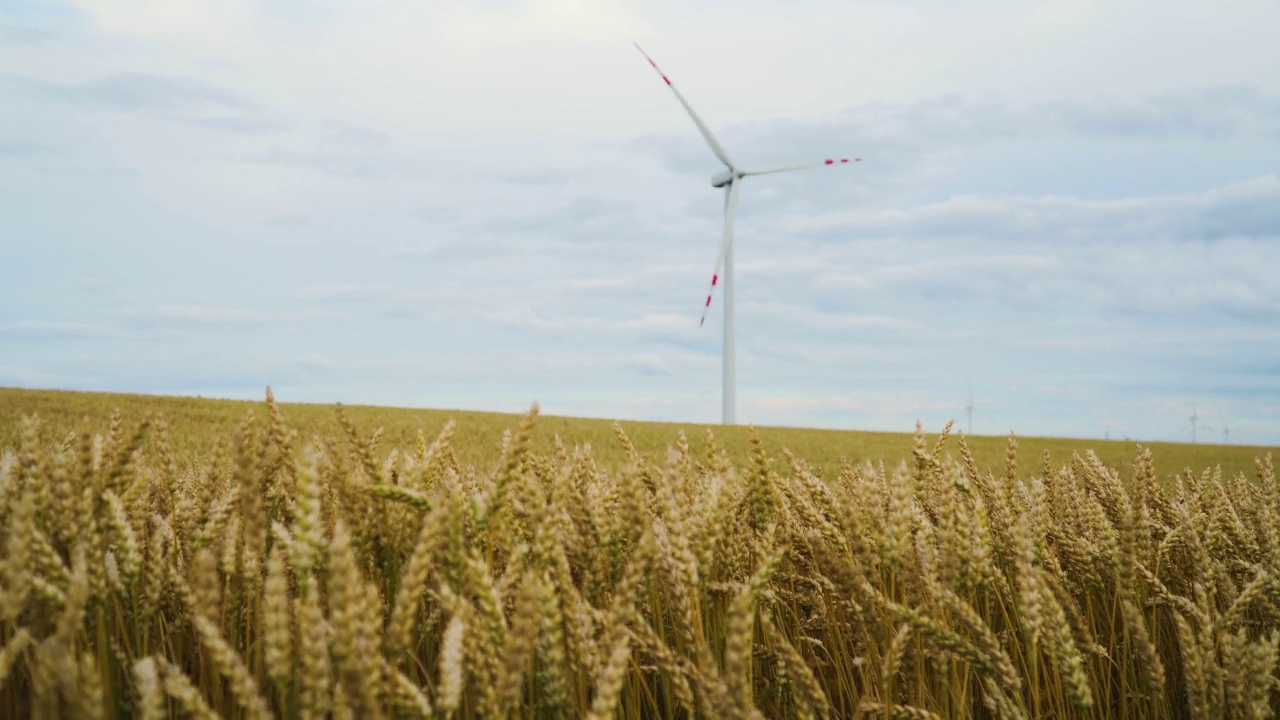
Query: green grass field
x=195, y=422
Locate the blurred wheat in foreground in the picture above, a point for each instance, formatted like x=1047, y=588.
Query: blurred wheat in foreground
x=322, y=577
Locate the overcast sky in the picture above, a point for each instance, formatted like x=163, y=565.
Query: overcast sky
x=1071, y=207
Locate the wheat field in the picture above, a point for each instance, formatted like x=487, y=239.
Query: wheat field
x=174, y=564
x=196, y=424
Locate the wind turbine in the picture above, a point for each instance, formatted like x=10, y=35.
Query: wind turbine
x=729, y=179
x=969, y=408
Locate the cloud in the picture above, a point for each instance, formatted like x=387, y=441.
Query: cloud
x=802, y=316
x=347, y=291
x=343, y=134
x=1210, y=112
x=176, y=99
x=652, y=365
x=1248, y=209
x=654, y=274
x=797, y=408
x=194, y=316
x=520, y=362
x=542, y=178
x=1243, y=209
x=195, y=25
x=341, y=164
x=649, y=324
x=344, y=150
x=25, y=35
x=41, y=329
x=581, y=218
x=22, y=149
x=14, y=376
x=954, y=270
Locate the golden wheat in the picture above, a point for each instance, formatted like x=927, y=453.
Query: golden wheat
x=264, y=576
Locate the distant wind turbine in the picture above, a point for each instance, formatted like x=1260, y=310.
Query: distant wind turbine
x=729, y=179
x=969, y=408
x=1191, y=423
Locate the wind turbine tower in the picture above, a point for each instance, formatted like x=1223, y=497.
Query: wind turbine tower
x=730, y=179
x=1194, y=418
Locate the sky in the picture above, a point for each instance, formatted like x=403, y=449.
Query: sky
x=1067, y=213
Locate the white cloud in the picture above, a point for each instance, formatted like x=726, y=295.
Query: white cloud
x=656, y=324
x=53, y=330
x=223, y=316
x=597, y=22
x=345, y=291
x=801, y=315
x=210, y=25
x=945, y=270
x=179, y=99
x=24, y=35
x=799, y=408
x=1243, y=209
x=37, y=378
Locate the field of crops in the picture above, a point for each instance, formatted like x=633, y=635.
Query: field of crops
x=195, y=424
x=219, y=559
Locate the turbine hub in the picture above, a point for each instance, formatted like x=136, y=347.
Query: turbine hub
x=722, y=178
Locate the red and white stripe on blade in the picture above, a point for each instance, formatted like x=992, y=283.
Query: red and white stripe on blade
x=702, y=127
x=730, y=210
x=802, y=166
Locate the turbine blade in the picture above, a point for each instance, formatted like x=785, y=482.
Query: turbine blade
x=802, y=166
x=702, y=127
x=730, y=210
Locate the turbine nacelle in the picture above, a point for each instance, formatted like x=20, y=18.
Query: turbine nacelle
x=724, y=177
